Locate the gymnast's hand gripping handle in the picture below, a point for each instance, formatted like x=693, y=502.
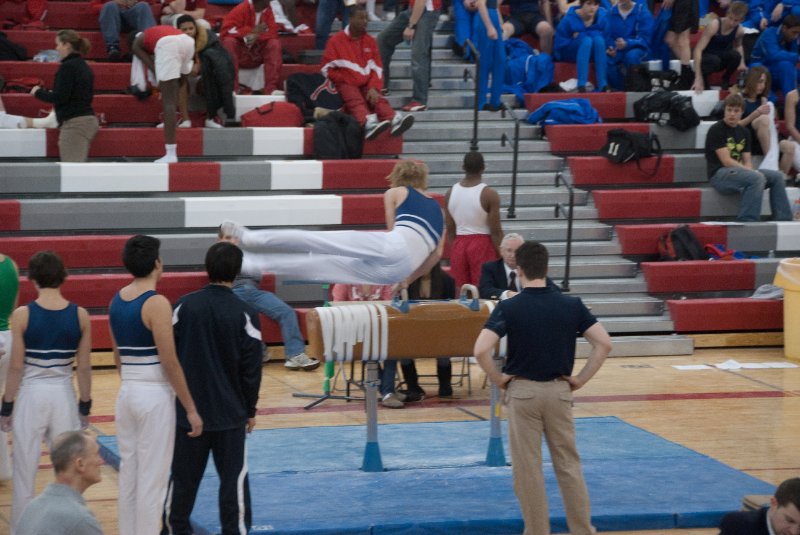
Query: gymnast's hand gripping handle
x=400, y=300
x=472, y=302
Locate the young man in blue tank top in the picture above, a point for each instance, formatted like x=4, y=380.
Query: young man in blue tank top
x=49, y=335
x=144, y=351
x=410, y=248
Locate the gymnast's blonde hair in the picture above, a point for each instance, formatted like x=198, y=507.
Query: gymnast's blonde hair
x=409, y=173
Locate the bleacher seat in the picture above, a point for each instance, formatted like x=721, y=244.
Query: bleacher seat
x=725, y=314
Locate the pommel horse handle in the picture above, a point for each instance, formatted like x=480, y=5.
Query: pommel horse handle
x=400, y=300
x=473, y=302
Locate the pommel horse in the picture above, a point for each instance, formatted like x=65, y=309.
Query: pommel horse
x=404, y=329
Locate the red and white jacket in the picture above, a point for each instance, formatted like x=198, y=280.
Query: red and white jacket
x=355, y=62
x=241, y=20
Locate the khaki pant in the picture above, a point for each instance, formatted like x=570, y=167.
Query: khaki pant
x=75, y=137
x=536, y=408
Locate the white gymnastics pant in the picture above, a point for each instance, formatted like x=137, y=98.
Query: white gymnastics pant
x=5, y=458
x=346, y=256
x=145, y=416
x=770, y=161
x=42, y=412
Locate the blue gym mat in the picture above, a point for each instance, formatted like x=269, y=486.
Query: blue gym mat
x=307, y=481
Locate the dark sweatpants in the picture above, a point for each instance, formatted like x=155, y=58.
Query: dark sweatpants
x=188, y=464
x=726, y=61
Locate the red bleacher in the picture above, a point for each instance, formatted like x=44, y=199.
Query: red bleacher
x=608, y=105
x=672, y=203
x=726, y=314
x=699, y=276
x=643, y=239
x=588, y=138
x=599, y=171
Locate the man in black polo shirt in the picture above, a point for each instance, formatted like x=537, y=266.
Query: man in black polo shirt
x=542, y=325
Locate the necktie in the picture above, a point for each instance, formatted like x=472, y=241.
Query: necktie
x=512, y=281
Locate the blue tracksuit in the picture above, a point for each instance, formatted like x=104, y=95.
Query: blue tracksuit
x=493, y=57
x=637, y=30
x=589, y=44
x=778, y=56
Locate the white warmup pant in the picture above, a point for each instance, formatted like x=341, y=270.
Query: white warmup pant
x=770, y=161
x=145, y=417
x=42, y=411
x=5, y=458
x=346, y=256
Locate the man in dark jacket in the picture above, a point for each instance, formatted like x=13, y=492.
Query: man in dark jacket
x=782, y=517
x=218, y=342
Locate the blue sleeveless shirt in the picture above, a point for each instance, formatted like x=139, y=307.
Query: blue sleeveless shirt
x=51, y=341
x=422, y=215
x=138, y=353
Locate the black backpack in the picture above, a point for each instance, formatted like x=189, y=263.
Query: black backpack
x=652, y=107
x=623, y=146
x=338, y=136
x=681, y=244
x=11, y=51
x=311, y=90
x=682, y=115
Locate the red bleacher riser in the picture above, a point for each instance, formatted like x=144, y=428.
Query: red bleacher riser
x=368, y=209
x=36, y=40
x=572, y=138
x=10, y=212
x=608, y=105
x=115, y=142
x=726, y=314
x=113, y=108
x=643, y=239
x=341, y=174
x=194, y=176
x=699, y=276
x=385, y=143
x=599, y=171
x=75, y=251
x=74, y=15
x=647, y=203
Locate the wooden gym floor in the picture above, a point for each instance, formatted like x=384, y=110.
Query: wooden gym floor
x=747, y=418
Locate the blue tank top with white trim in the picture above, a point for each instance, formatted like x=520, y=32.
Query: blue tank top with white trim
x=51, y=341
x=422, y=215
x=138, y=353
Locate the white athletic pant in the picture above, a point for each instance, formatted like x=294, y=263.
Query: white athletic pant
x=11, y=121
x=770, y=161
x=42, y=411
x=5, y=459
x=346, y=256
x=145, y=417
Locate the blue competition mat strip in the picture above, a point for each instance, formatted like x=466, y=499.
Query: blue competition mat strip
x=307, y=481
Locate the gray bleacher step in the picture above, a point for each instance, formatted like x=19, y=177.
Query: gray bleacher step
x=445, y=180
x=498, y=162
x=466, y=115
x=627, y=305
x=484, y=145
x=536, y=214
x=405, y=85
x=438, y=70
x=643, y=346
x=445, y=99
x=533, y=196
x=554, y=229
x=585, y=248
x=457, y=130
x=595, y=267
x=403, y=53
x=638, y=324
x=620, y=286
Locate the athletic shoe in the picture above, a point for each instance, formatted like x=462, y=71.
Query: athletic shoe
x=412, y=396
x=301, y=362
x=211, y=123
x=113, y=53
x=167, y=159
x=374, y=127
x=373, y=17
x=415, y=106
x=183, y=124
x=265, y=356
x=401, y=123
x=232, y=229
x=392, y=401
x=390, y=16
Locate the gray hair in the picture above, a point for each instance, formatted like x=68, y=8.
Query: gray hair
x=66, y=447
x=511, y=236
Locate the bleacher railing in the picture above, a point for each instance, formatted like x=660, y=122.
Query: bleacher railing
x=473, y=144
x=568, y=213
x=512, y=214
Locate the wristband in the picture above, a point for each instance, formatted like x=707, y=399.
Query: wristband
x=6, y=408
x=84, y=407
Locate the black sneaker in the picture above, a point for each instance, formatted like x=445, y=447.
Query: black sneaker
x=114, y=53
x=412, y=395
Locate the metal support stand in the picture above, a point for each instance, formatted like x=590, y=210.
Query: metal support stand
x=495, y=456
x=372, y=451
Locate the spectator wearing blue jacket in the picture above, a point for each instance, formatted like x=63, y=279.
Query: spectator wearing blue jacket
x=629, y=29
x=720, y=48
x=580, y=39
x=783, y=9
x=777, y=50
x=758, y=14
x=488, y=32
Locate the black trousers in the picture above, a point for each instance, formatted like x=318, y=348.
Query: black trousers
x=726, y=61
x=188, y=464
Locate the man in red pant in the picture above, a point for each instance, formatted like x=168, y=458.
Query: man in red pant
x=353, y=63
x=250, y=35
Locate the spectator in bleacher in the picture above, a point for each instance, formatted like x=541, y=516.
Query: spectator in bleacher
x=171, y=11
x=415, y=24
x=250, y=35
x=728, y=151
x=720, y=48
x=472, y=215
x=580, y=39
x=352, y=62
x=116, y=16
x=757, y=15
x=565, y=5
x=781, y=517
x=629, y=29
x=759, y=116
x=169, y=53
x=489, y=42
x=326, y=14
x=777, y=50
x=464, y=13
x=783, y=9
x=49, y=335
x=71, y=96
x=790, y=148
x=684, y=21
x=215, y=66
x=246, y=288
x=533, y=17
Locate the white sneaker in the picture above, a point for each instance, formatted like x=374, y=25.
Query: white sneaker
x=401, y=123
x=373, y=17
x=278, y=93
x=390, y=16
x=211, y=123
x=373, y=128
x=183, y=124
x=444, y=17
x=301, y=362
x=167, y=159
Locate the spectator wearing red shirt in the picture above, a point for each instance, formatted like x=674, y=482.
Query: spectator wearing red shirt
x=116, y=16
x=169, y=53
x=353, y=63
x=250, y=35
